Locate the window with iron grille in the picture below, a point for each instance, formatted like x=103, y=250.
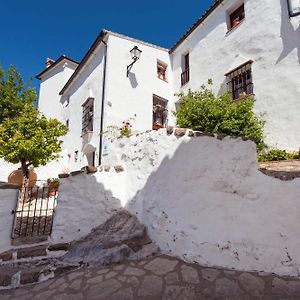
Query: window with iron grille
x=88, y=115
x=294, y=7
x=237, y=16
x=240, y=81
x=160, y=112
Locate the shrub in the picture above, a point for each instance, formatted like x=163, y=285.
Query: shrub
x=277, y=154
x=204, y=111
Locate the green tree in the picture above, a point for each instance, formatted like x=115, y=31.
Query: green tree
x=204, y=111
x=13, y=93
x=30, y=138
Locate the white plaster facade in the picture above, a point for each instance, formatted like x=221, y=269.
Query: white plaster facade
x=269, y=38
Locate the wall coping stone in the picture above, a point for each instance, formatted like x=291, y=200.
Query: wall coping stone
x=8, y=186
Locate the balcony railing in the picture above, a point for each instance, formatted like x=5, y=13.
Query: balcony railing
x=185, y=77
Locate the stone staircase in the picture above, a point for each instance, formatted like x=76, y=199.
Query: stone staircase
x=31, y=264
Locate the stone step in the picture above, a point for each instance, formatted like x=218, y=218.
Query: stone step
x=29, y=240
x=29, y=253
x=15, y=275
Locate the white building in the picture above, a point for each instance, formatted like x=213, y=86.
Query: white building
x=249, y=46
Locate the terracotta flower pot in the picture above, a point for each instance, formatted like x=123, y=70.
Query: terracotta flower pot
x=16, y=177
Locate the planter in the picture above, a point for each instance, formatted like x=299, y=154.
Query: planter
x=235, y=22
x=157, y=126
x=16, y=177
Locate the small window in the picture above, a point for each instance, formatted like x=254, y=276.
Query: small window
x=162, y=70
x=88, y=115
x=160, y=112
x=294, y=7
x=240, y=81
x=185, y=75
x=67, y=123
x=237, y=16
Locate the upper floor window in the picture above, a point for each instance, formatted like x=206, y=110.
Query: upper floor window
x=185, y=75
x=162, y=70
x=240, y=81
x=88, y=115
x=294, y=7
x=160, y=112
x=237, y=16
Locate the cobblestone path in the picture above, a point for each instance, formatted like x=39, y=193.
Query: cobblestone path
x=157, y=278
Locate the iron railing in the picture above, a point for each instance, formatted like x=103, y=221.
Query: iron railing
x=185, y=77
x=34, y=212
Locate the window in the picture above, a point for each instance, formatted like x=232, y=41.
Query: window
x=294, y=7
x=160, y=112
x=67, y=123
x=240, y=81
x=185, y=75
x=162, y=70
x=87, y=115
x=237, y=16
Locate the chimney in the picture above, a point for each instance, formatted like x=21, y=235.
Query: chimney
x=49, y=62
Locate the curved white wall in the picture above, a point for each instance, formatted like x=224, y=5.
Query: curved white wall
x=202, y=199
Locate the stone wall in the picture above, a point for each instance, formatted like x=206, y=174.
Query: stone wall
x=202, y=198
x=284, y=170
x=8, y=198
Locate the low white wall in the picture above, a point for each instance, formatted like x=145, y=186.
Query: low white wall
x=202, y=199
x=84, y=202
x=8, y=198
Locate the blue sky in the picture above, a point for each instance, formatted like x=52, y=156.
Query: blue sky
x=33, y=30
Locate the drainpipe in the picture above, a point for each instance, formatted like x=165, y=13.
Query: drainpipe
x=102, y=102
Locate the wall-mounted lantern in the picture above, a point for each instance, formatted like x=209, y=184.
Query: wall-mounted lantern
x=135, y=53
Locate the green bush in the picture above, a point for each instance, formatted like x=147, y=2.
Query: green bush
x=204, y=111
x=277, y=154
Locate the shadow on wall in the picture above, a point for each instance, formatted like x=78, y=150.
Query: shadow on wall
x=202, y=199
x=290, y=36
x=210, y=204
x=133, y=80
x=83, y=204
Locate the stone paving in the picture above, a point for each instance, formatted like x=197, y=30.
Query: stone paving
x=159, y=277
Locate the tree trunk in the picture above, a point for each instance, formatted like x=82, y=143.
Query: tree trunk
x=25, y=173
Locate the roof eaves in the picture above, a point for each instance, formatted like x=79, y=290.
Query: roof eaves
x=206, y=14
x=98, y=40
x=136, y=40
x=61, y=58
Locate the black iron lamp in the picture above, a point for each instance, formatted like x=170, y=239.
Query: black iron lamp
x=135, y=53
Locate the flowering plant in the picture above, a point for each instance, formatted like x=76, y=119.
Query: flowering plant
x=126, y=130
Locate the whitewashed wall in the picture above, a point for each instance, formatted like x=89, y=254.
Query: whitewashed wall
x=51, y=84
x=8, y=198
x=132, y=96
x=272, y=40
x=202, y=199
x=86, y=201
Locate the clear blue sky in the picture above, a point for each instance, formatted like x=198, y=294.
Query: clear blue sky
x=33, y=30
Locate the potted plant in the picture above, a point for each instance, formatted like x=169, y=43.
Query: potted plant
x=53, y=184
